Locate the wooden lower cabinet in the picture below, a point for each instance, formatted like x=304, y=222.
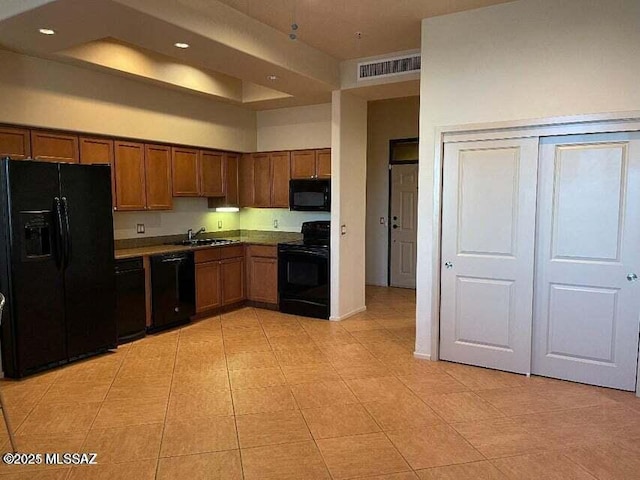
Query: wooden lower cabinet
x=232, y=274
x=262, y=274
x=220, y=277
x=208, y=291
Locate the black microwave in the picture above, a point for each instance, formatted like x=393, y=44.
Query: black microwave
x=310, y=195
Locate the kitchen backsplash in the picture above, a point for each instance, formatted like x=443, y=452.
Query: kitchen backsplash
x=194, y=213
x=287, y=221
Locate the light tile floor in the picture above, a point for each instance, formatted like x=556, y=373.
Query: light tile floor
x=256, y=394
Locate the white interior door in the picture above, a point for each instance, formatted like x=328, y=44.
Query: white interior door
x=404, y=225
x=587, y=300
x=488, y=231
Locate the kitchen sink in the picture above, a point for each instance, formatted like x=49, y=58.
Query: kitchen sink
x=198, y=242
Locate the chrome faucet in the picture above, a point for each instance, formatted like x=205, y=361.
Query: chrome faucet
x=191, y=235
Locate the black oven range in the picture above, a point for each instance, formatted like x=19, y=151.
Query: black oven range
x=303, y=272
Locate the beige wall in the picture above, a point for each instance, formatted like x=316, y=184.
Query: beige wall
x=44, y=93
x=288, y=129
x=294, y=128
x=387, y=120
x=516, y=61
x=348, y=183
x=49, y=94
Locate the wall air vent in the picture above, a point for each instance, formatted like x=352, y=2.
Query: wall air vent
x=389, y=67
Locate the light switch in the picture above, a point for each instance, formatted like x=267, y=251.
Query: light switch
x=140, y=227
x=275, y=223
x=219, y=224
x=382, y=221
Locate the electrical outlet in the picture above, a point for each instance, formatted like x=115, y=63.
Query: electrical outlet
x=140, y=227
x=343, y=230
x=219, y=224
x=275, y=223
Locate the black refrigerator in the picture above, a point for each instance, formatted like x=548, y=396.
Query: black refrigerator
x=56, y=264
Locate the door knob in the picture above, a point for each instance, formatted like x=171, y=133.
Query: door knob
x=632, y=277
x=448, y=265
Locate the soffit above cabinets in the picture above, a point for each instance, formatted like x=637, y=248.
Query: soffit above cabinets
x=237, y=52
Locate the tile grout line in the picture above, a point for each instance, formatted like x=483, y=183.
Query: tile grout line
x=166, y=410
x=233, y=404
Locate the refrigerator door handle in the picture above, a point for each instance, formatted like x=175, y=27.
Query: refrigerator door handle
x=60, y=241
x=67, y=232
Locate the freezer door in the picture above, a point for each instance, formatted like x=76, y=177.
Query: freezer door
x=89, y=273
x=33, y=331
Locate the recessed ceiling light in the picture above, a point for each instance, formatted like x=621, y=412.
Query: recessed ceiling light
x=47, y=31
x=272, y=77
x=181, y=45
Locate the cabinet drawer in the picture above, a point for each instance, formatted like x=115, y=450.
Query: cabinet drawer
x=207, y=255
x=231, y=252
x=263, y=251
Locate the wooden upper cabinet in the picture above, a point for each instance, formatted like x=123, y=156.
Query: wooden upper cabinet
x=96, y=151
x=232, y=196
x=232, y=276
x=261, y=180
x=323, y=163
x=157, y=166
x=185, y=164
x=15, y=143
x=54, y=147
x=212, y=174
x=303, y=164
x=245, y=180
x=129, y=176
x=280, y=175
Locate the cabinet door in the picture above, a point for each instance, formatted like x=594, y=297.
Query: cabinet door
x=261, y=180
x=185, y=167
x=211, y=173
x=129, y=176
x=263, y=279
x=245, y=173
x=323, y=163
x=232, y=273
x=232, y=186
x=54, y=147
x=280, y=174
x=15, y=143
x=99, y=151
x=157, y=166
x=303, y=164
x=208, y=292
x=96, y=151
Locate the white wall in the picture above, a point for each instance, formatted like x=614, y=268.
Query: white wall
x=348, y=184
x=387, y=120
x=521, y=60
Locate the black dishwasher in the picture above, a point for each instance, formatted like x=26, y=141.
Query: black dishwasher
x=130, y=299
x=173, y=289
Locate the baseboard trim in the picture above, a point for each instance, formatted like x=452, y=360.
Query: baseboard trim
x=422, y=356
x=347, y=315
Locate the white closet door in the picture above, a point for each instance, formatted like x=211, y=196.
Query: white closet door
x=587, y=300
x=488, y=231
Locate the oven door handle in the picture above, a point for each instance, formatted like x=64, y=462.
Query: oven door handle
x=312, y=253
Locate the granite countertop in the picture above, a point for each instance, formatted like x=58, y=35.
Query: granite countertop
x=161, y=245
